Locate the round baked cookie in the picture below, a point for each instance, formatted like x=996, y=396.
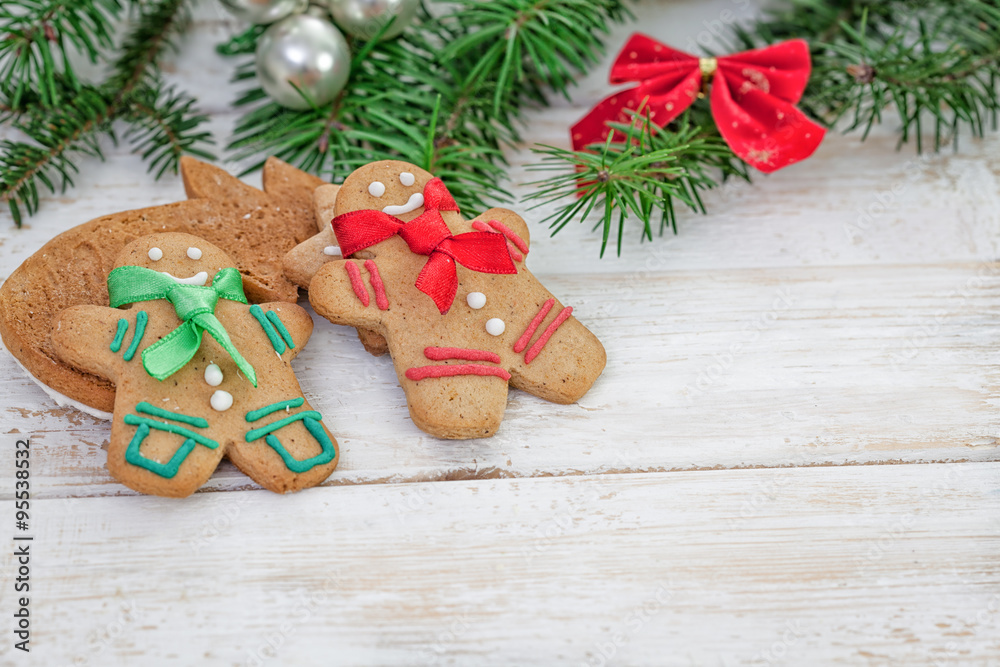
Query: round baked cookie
x=256, y=228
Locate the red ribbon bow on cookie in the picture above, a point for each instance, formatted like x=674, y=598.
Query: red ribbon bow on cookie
x=427, y=234
x=752, y=98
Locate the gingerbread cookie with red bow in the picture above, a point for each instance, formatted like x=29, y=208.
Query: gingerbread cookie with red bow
x=199, y=373
x=462, y=315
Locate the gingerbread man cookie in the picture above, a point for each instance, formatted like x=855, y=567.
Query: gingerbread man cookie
x=185, y=399
x=305, y=259
x=462, y=315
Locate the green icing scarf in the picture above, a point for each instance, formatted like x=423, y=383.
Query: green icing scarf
x=195, y=305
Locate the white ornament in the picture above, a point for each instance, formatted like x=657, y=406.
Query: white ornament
x=495, y=326
x=213, y=375
x=364, y=18
x=476, y=300
x=303, y=53
x=407, y=179
x=376, y=189
x=194, y=253
x=155, y=254
x=221, y=400
x=264, y=11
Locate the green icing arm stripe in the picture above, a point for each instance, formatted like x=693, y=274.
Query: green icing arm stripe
x=265, y=324
x=168, y=469
x=260, y=413
x=140, y=328
x=280, y=326
x=258, y=433
x=134, y=420
x=116, y=344
x=325, y=456
x=148, y=409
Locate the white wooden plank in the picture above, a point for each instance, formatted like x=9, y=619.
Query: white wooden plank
x=860, y=565
x=811, y=366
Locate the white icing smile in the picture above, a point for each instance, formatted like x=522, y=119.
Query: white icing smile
x=199, y=278
x=415, y=202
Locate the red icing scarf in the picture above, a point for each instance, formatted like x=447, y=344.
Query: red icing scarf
x=427, y=234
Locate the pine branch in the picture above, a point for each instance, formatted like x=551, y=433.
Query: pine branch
x=434, y=69
x=644, y=175
x=164, y=126
x=55, y=137
x=159, y=23
x=521, y=45
x=37, y=34
x=163, y=123
x=936, y=62
x=924, y=60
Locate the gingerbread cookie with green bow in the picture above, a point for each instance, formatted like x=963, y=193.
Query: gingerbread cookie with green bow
x=199, y=374
x=462, y=315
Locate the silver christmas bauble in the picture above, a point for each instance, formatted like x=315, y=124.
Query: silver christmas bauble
x=364, y=18
x=264, y=11
x=308, y=52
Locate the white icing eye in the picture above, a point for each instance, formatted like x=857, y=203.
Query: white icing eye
x=194, y=253
x=495, y=326
x=331, y=250
x=476, y=300
x=155, y=254
x=221, y=400
x=407, y=179
x=213, y=375
x=376, y=189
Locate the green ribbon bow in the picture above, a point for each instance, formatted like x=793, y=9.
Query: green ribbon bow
x=195, y=305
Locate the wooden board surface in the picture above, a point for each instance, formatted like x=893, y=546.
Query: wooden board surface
x=849, y=565
x=796, y=433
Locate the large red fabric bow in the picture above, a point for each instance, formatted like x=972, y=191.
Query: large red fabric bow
x=752, y=98
x=427, y=234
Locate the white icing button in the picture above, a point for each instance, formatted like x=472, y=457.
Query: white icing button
x=194, y=253
x=477, y=300
x=155, y=254
x=213, y=375
x=407, y=179
x=221, y=400
x=331, y=250
x=495, y=326
x=376, y=189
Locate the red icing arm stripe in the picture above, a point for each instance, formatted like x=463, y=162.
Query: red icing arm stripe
x=424, y=372
x=522, y=342
x=514, y=254
x=359, y=285
x=442, y=353
x=381, y=300
x=511, y=235
x=481, y=226
x=547, y=334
